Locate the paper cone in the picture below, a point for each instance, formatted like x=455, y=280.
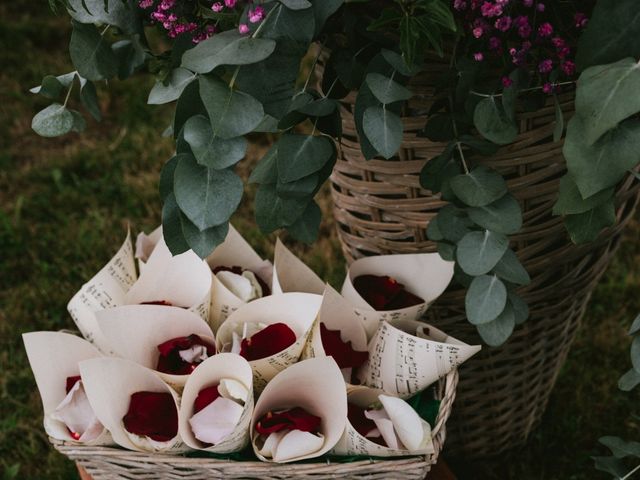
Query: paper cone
x=315, y=385
x=109, y=383
x=209, y=373
x=337, y=314
x=183, y=280
x=135, y=331
x=54, y=356
x=234, y=251
x=145, y=245
x=426, y=275
x=290, y=274
x=402, y=363
x=297, y=310
x=106, y=289
x=352, y=443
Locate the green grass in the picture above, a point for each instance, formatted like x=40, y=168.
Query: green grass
x=65, y=205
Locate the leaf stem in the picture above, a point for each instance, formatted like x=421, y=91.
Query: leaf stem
x=628, y=475
x=455, y=132
x=311, y=70
x=66, y=99
x=532, y=89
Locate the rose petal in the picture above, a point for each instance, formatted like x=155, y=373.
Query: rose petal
x=293, y=419
x=205, y=397
x=297, y=443
x=359, y=421
x=71, y=381
x=384, y=293
x=271, y=443
x=216, y=421
x=233, y=390
x=268, y=341
x=153, y=415
x=239, y=285
x=172, y=360
x=342, y=352
x=195, y=354
x=385, y=426
x=406, y=421
x=263, y=287
x=76, y=413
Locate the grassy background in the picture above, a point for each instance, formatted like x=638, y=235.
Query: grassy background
x=64, y=208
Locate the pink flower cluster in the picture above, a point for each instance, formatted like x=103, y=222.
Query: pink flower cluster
x=519, y=33
x=177, y=17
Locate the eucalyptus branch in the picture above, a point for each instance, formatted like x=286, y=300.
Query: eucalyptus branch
x=66, y=99
x=628, y=475
x=532, y=89
x=455, y=133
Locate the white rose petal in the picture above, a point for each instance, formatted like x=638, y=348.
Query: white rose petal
x=297, y=443
x=195, y=354
x=271, y=444
x=406, y=421
x=385, y=426
x=245, y=286
x=233, y=390
x=76, y=413
x=216, y=421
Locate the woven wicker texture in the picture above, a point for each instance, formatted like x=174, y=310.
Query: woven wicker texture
x=110, y=463
x=381, y=209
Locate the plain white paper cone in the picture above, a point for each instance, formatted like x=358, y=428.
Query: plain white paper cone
x=109, y=383
x=315, y=385
x=55, y=356
x=209, y=373
x=290, y=274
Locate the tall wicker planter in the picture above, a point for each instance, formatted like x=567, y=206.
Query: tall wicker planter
x=380, y=208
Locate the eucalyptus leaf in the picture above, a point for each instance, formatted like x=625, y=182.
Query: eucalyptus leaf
x=611, y=465
x=607, y=95
x=635, y=354
x=53, y=121
x=570, y=201
x=64, y=80
x=166, y=178
x=227, y=48
x=322, y=10
x=307, y=227
x=480, y=145
x=433, y=230
x=171, y=226
x=209, y=150
x=302, y=155
x=302, y=188
x=206, y=196
x=604, y=164
x=510, y=269
x=620, y=448
x=479, y=187
x=296, y=4
x=439, y=170
x=364, y=100
x=502, y=216
x=119, y=13
x=479, y=252
x=319, y=107
x=274, y=212
x=203, y=242
x=91, y=54
x=398, y=63
x=497, y=331
x=232, y=113
x=559, y=129
x=585, y=227
x=447, y=251
x=130, y=55
x=50, y=87
x=386, y=89
x=485, y=300
x=266, y=171
x=519, y=306
x=493, y=122
x=171, y=88
x=188, y=105
x=79, y=123
x=453, y=223
x=383, y=129
x=629, y=380
x=89, y=98
x=635, y=326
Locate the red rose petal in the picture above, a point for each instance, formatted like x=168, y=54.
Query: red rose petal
x=268, y=341
x=152, y=414
x=170, y=361
x=71, y=381
x=342, y=352
x=158, y=302
x=205, y=397
x=293, y=419
x=362, y=424
x=266, y=291
x=384, y=292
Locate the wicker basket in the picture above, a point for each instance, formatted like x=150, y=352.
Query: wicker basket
x=380, y=208
x=110, y=463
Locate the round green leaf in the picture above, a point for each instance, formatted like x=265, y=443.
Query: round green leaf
x=319, y=108
x=629, y=380
x=91, y=54
x=570, y=201
x=296, y=4
x=302, y=188
x=209, y=150
x=510, y=269
x=383, y=129
x=53, y=121
x=485, y=299
x=302, y=155
x=266, y=170
x=502, y=216
x=519, y=306
x=453, y=223
x=433, y=230
x=397, y=62
x=447, y=251
x=386, y=89
x=232, y=113
x=479, y=252
x=202, y=242
x=306, y=228
x=166, y=177
x=480, y=187
x=496, y=332
x=493, y=122
x=274, y=212
x=206, y=196
x=635, y=326
x=585, y=227
x=171, y=226
x=172, y=88
x=635, y=353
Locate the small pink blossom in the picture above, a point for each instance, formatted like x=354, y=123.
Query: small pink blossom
x=581, y=20
x=145, y=4
x=256, y=14
x=217, y=7
x=478, y=31
x=478, y=56
x=527, y=3
x=459, y=4
x=243, y=28
x=230, y=3
x=506, y=82
x=568, y=67
x=545, y=66
x=545, y=30
x=540, y=7
x=504, y=23
x=495, y=43
x=489, y=10
x=547, y=88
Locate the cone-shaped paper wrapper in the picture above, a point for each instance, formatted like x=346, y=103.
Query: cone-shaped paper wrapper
x=135, y=331
x=106, y=289
x=234, y=251
x=336, y=314
x=426, y=275
x=55, y=356
x=290, y=274
x=297, y=310
x=352, y=443
x=145, y=245
x=315, y=385
x=403, y=362
x=222, y=366
x=109, y=383
x=183, y=281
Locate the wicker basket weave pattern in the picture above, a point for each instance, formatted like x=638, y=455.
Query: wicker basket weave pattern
x=380, y=208
x=111, y=463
